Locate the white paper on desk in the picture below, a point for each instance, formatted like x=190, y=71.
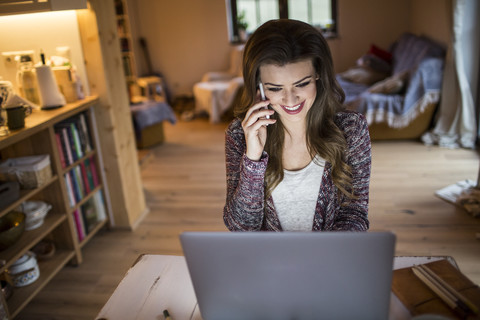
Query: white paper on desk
x=153, y=284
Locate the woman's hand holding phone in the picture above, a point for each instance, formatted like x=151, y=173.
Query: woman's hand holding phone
x=255, y=125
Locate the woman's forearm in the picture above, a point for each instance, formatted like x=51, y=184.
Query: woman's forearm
x=244, y=207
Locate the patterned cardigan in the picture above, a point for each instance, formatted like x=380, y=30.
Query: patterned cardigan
x=246, y=209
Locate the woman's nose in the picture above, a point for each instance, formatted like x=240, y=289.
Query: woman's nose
x=290, y=97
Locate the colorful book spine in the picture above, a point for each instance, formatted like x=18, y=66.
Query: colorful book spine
x=79, y=178
x=61, y=154
x=75, y=186
x=86, y=131
x=88, y=170
x=96, y=180
x=86, y=184
x=89, y=215
x=66, y=144
x=70, y=192
x=76, y=140
x=99, y=206
x=71, y=142
x=79, y=225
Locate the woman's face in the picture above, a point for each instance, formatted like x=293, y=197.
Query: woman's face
x=291, y=88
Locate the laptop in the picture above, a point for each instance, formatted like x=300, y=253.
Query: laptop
x=290, y=275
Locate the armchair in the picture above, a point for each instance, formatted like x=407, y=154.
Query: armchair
x=402, y=104
x=217, y=90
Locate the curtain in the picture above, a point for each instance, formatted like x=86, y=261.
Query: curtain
x=456, y=125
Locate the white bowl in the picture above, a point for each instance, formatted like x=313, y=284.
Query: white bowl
x=24, y=271
x=35, y=222
x=35, y=212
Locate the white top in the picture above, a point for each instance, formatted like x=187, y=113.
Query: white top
x=295, y=198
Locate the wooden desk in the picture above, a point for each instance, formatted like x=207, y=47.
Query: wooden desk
x=159, y=282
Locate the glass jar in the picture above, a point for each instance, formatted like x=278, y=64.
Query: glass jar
x=27, y=80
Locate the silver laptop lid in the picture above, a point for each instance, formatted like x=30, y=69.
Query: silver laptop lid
x=291, y=275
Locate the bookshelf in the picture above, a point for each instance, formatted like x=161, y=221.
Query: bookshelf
x=88, y=208
x=124, y=32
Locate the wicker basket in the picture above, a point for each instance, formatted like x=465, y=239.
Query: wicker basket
x=31, y=172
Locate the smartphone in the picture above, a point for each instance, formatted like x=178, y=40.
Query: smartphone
x=262, y=94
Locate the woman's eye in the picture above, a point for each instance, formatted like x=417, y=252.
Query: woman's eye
x=274, y=89
x=278, y=89
x=303, y=84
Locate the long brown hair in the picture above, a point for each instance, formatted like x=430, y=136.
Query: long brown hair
x=284, y=41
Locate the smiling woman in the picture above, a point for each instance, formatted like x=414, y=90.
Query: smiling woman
x=290, y=88
x=295, y=140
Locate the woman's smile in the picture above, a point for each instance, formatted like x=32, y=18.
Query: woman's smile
x=294, y=109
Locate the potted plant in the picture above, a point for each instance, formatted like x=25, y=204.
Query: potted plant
x=242, y=26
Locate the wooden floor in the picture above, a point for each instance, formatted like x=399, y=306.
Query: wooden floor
x=184, y=181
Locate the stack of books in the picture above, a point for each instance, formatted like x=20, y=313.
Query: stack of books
x=81, y=180
x=88, y=215
x=437, y=288
x=81, y=177
x=73, y=139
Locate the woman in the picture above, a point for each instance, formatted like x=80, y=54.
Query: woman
x=297, y=160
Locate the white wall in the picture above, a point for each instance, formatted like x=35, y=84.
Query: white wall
x=362, y=22
x=41, y=31
x=189, y=37
x=365, y=22
x=186, y=38
x=432, y=18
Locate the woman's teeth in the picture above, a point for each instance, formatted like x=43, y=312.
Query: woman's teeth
x=293, y=108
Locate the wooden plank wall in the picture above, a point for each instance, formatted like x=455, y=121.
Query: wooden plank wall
x=101, y=47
